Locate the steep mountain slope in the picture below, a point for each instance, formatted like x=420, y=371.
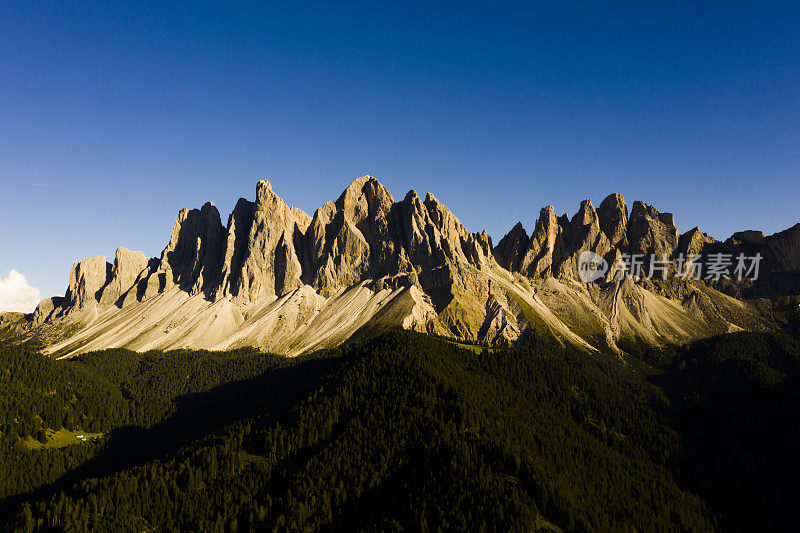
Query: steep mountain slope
x=280, y=280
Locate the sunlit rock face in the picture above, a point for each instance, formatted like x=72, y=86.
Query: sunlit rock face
x=277, y=278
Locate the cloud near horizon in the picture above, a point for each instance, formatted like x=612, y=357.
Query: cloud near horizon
x=16, y=294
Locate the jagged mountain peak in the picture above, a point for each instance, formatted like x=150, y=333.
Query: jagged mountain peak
x=364, y=198
x=281, y=279
x=364, y=187
x=585, y=216
x=613, y=215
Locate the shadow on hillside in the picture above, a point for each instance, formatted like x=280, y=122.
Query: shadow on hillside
x=735, y=403
x=270, y=394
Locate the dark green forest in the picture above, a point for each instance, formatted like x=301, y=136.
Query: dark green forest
x=398, y=431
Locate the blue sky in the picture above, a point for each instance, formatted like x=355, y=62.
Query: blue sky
x=113, y=117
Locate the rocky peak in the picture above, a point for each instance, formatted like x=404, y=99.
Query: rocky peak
x=46, y=309
x=368, y=206
x=193, y=255
x=271, y=239
x=236, y=239
x=128, y=266
x=585, y=216
x=510, y=249
x=413, y=222
x=264, y=191
x=364, y=197
x=785, y=246
x=750, y=237
x=349, y=237
x=584, y=235
x=86, y=279
x=668, y=219
x=267, y=201
x=651, y=232
x=546, y=245
x=563, y=223
x=301, y=218
x=613, y=215
x=693, y=242
x=457, y=243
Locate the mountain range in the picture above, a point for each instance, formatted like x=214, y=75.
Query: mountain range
x=281, y=280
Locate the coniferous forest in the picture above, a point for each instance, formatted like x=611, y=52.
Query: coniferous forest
x=398, y=431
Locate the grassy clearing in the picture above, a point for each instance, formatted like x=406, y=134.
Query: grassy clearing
x=474, y=348
x=60, y=439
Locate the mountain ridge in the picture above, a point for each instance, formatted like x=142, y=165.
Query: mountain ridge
x=277, y=278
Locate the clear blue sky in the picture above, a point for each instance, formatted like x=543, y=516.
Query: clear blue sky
x=113, y=117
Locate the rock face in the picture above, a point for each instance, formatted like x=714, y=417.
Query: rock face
x=193, y=255
x=651, y=232
x=351, y=236
x=694, y=242
x=512, y=247
x=750, y=237
x=366, y=234
x=128, y=266
x=785, y=248
x=271, y=228
x=86, y=279
x=547, y=243
x=584, y=235
x=94, y=281
x=269, y=249
x=613, y=215
x=46, y=308
x=556, y=244
x=280, y=279
x=534, y=256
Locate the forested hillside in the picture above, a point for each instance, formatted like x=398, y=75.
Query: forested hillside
x=399, y=431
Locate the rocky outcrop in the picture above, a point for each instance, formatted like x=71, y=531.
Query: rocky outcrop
x=512, y=247
x=344, y=258
x=350, y=237
x=785, y=248
x=46, y=309
x=556, y=244
x=86, y=279
x=750, y=237
x=613, y=215
x=584, y=235
x=193, y=256
x=546, y=245
x=366, y=234
x=502, y=322
x=271, y=241
x=128, y=266
x=651, y=232
x=236, y=245
x=693, y=248
x=694, y=243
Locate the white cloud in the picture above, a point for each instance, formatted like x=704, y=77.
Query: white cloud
x=16, y=294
